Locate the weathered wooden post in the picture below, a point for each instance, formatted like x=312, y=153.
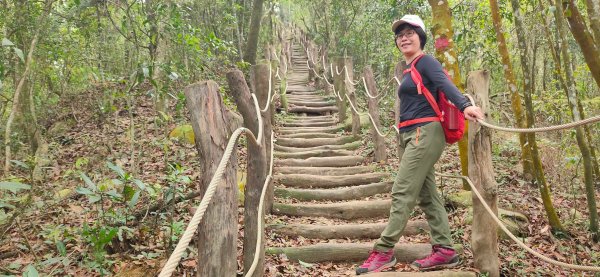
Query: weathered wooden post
x=348, y=74
x=379, y=141
x=217, y=235
x=339, y=85
x=398, y=72
x=259, y=79
x=484, y=239
x=256, y=170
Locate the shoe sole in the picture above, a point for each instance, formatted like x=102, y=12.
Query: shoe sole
x=385, y=266
x=437, y=267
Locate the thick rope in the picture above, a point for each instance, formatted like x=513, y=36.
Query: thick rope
x=338, y=72
x=541, y=129
x=261, y=215
x=349, y=79
x=268, y=104
x=370, y=117
x=513, y=237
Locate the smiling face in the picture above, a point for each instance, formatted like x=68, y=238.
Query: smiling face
x=408, y=41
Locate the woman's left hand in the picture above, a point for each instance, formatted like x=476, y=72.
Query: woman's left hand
x=473, y=113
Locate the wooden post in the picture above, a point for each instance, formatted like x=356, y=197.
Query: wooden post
x=398, y=72
x=484, y=239
x=340, y=88
x=257, y=170
x=217, y=235
x=379, y=141
x=350, y=90
x=259, y=76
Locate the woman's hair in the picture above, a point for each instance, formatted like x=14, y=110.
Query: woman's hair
x=418, y=30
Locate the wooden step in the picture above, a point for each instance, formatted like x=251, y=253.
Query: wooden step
x=342, y=210
x=351, y=252
x=310, y=124
x=323, y=161
x=303, y=143
x=345, y=231
x=348, y=146
x=339, y=194
x=314, y=153
x=295, y=130
x=332, y=171
x=316, y=181
x=309, y=135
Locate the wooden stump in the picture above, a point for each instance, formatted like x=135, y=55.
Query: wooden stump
x=484, y=239
x=380, y=154
x=217, y=235
x=257, y=169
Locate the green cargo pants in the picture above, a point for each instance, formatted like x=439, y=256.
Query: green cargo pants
x=416, y=181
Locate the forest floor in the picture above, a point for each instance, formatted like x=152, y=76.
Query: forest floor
x=66, y=231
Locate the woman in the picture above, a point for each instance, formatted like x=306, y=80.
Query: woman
x=423, y=144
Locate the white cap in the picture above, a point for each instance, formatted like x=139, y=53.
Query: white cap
x=411, y=19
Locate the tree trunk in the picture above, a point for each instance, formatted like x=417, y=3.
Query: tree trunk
x=540, y=178
x=348, y=76
x=254, y=32
x=579, y=133
x=380, y=154
x=340, y=88
x=445, y=52
x=593, y=10
x=591, y=50
x=217, y=235
x=484, y=239
x=257, y=170
x=16, y=105
x=398, y=72
x=517, y=106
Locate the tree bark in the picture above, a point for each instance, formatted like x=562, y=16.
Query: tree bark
x=217, y=235
x=484, y=239
x=380, y=154
x=315, y=141
x=348, y=146
x=579, y=133
x=313, y=153
x=257, y=170
x=517, y=106
x=445, y=52
x=590, y=50
x=342, y=210
x=348, y=76
x=398, y=72
x=593, y=10
x=254, y=32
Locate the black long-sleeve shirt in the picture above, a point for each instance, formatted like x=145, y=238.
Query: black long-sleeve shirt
x=414, y=105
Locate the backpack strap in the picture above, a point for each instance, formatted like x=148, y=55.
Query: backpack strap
x=422, y=89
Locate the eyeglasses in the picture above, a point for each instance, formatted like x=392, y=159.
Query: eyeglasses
x=406, y=34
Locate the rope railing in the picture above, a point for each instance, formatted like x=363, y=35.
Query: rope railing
x=175, y=257
x=372, y=120
x=513, y=237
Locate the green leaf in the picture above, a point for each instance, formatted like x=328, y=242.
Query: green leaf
x=146, y=71
x=183, y=133
x=87, y=181
x=30, y=271
x=6, y=205
x=60, y=247
x=19, y=53
x=7, y=42
x=94, y=198
x=13, y=186
x=20, y=163
x=117, y=169
x=128, y=192
x=139, y=183
x=134, y=199
x=84, y=191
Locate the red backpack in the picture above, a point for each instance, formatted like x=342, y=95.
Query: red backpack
x=451, y=118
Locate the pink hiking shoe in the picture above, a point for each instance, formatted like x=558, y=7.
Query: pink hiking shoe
x=439, y=258
x=377, y=261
